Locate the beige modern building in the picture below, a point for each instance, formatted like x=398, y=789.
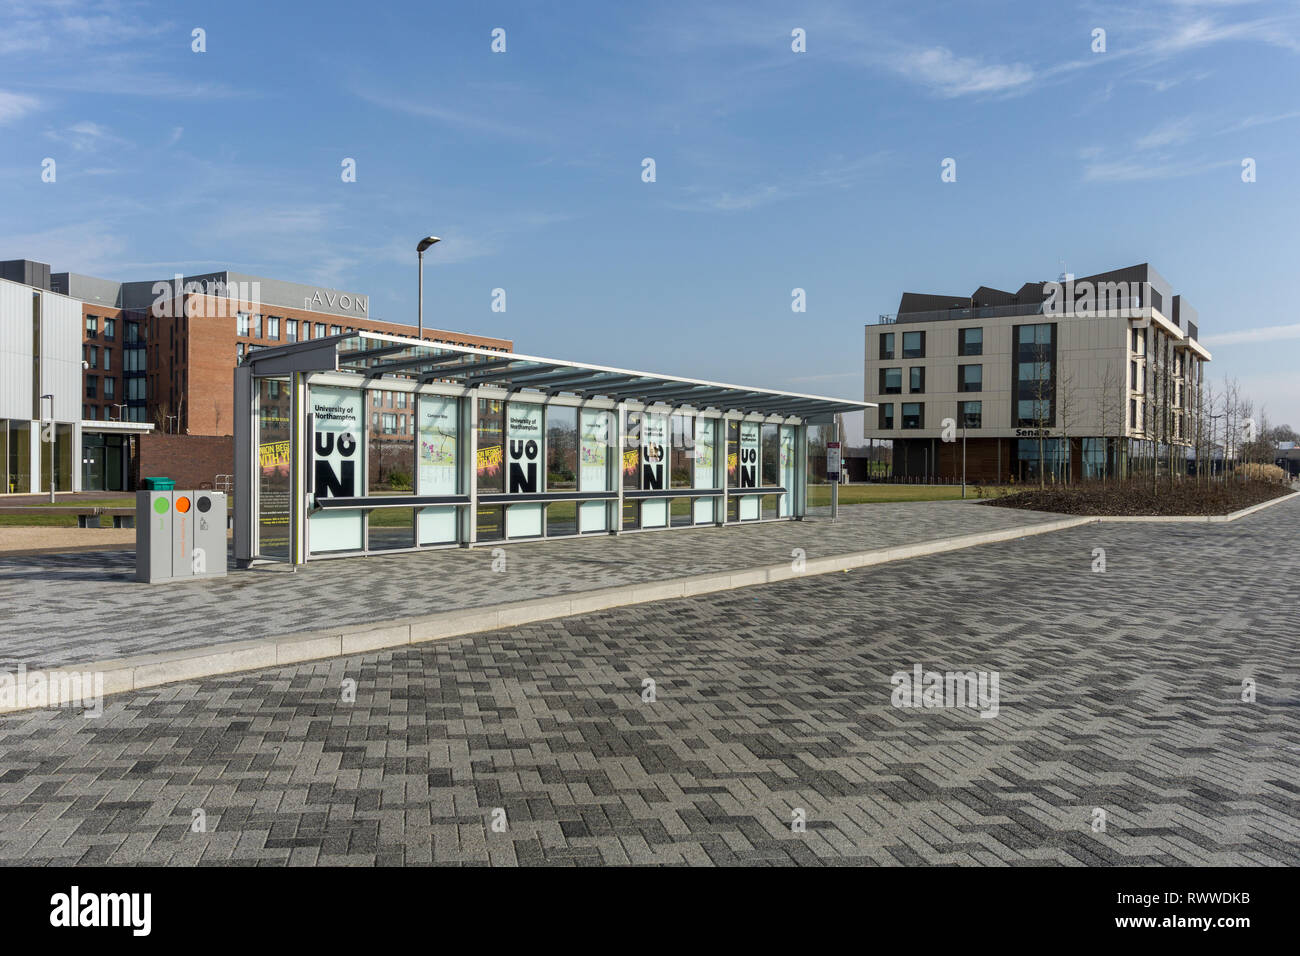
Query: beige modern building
x=1079, y=377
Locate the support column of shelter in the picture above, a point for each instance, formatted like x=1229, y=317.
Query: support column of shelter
x=621, y=426
x=300, y=458
x=469, y=516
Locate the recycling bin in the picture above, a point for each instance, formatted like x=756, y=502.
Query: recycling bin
x=179, y=535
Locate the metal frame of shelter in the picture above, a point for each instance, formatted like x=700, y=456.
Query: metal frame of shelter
x=319, y=467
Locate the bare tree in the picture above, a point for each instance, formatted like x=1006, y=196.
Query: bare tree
x=1205, y=398
x=1110, y=418
x=1067, y=411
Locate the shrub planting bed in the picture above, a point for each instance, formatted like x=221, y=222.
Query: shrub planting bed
x=1186, y=497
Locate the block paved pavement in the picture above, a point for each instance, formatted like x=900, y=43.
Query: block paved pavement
x=1119, y=691
x=70, y=608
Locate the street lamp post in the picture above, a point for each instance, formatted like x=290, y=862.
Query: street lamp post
x=119, y=406
x=424, y=244
x=50, y=441
x=170, y=419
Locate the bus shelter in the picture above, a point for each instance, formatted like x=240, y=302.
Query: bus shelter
x=367, y=443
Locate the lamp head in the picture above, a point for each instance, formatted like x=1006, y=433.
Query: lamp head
x=426, y=242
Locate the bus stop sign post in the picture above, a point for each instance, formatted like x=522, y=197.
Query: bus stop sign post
x=834, y=461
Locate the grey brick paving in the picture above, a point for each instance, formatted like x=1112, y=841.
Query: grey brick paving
x=1119, y=691
x=70, y=608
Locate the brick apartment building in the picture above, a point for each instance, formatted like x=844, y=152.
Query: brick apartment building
x=163, y=352
x=177, y=341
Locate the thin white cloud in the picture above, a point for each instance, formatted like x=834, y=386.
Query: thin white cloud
x=91, y=247
x=836, y=175
x=1168, y=134
x=1133, y=171
x=950, y=75
x=476, y=122
x=1251, y=122
x=14, y=106
x=1207, y=31
x=86, y=135
x=60, y=27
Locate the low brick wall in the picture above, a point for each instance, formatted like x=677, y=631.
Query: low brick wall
x=194, y=461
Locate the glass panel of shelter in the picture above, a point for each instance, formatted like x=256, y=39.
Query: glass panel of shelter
x=393, y=442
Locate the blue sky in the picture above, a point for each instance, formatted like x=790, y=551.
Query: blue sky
x=775, y=170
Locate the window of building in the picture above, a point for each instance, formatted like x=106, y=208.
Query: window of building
x=374, y=420
x=916, y=379
x=885, y=416
x=913, y=414
x=132, y=333
x=970, y=378
x=320, y=330
x=891, y=381
x=970, y=414
x=92, y=355
x=1132, y=413
x=336, y=329
x=110, y=389
x=92, y=326
x=135, y=389
x=913, y=345
x=290, y=330
x=401, y=399
x=92, y=386
x=306, y=331
x=1033, y=413
x=390, y=424
x=1034, y=375
x=108, y=359
x=273, y=327
x=243, y=324
x=239, y=353
x=886, y=345
x=109, y=328
x=970, y=342
x=1054, y=460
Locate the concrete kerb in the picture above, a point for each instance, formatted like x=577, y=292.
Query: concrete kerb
x=151, y=670
x=1200, y=519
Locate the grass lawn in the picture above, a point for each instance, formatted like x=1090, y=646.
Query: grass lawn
x=54, y=519
x=63, y=514
x=820, y=495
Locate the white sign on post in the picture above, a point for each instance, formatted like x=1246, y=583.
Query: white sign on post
x=833, y=461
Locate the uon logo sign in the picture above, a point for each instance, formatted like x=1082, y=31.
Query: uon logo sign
x=336, y=417
x=654, y=446
x=524, y=449
x=748, y=455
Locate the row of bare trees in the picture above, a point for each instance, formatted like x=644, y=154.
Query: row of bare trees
x=1181, y=416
